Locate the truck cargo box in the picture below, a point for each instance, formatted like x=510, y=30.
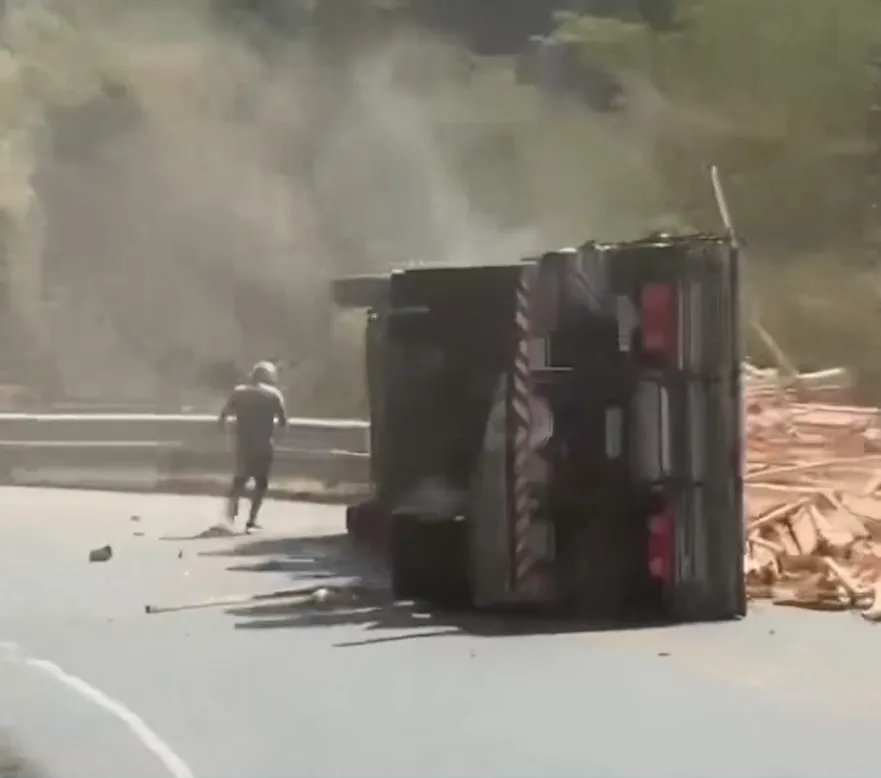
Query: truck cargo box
x=562, y=433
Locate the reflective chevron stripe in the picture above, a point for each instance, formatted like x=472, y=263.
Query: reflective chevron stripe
x=524, y=557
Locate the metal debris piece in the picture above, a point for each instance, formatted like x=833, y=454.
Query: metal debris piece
x=103, y=554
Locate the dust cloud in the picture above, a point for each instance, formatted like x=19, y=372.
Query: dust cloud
x=189, y=195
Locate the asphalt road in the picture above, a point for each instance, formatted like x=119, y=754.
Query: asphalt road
x=92, y=687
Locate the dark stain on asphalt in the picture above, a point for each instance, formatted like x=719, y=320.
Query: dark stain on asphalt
x=13, y=764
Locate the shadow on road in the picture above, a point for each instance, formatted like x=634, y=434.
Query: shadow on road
x=13, y=764
x=332, y=559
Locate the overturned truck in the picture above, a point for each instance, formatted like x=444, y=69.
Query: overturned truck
x=560, y=434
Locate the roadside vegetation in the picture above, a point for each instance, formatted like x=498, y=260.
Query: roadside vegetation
x=182, y=180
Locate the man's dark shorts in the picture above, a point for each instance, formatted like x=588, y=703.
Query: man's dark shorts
x=254, y=464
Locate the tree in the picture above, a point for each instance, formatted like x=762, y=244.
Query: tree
x=776, y=93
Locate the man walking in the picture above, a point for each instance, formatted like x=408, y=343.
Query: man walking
x=256, y=407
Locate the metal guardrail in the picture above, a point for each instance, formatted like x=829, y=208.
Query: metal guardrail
x=174, y=447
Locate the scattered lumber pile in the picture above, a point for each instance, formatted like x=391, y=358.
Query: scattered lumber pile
x=813, y=493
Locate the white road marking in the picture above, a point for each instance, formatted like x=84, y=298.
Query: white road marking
x=148, y=738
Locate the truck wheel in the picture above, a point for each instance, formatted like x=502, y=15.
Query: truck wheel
x=741, y=606
x=446, y=559
x=406, y=559
x=353, y=519
x=360, y=519
x=429, y=562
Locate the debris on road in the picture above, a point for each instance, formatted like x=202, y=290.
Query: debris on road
x=314, y=595
x=813, y=493
x=103, y=554
x=216, y=531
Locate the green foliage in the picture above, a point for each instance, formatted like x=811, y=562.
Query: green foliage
x=776, y=93
x=379, y=152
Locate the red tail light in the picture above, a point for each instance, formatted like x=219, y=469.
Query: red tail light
x=659, y=320
x=661, y=546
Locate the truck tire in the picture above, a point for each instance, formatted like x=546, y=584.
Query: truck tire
x=446, y=551
x=429, y=561
x=354, y=520
x=741, y=606
x=406, y=558
x=366, y=523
